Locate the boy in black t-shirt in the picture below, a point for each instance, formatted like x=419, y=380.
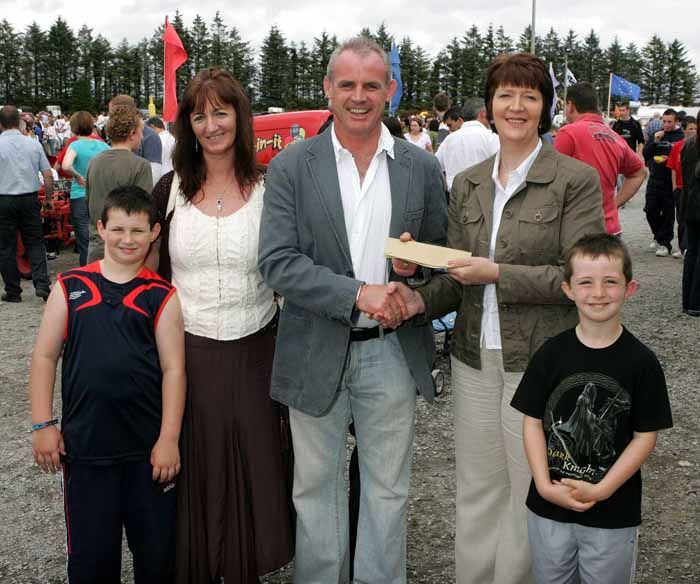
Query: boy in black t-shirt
x=119, y=327
x=593, y=399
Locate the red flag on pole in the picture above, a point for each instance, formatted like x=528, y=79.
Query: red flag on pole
x=175, y=55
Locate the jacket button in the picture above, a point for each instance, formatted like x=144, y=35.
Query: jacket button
x=508, y=213
x=538, y=216
x=465, y=217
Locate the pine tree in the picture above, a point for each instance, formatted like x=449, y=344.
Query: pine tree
x=240, y=61
x=217, y=47
x=473, y=64
x=504, y=44
x=274, y=70
x=10, y=65
x=35, y=56
x=81, y=97
x=184, y=73
x=383, y=37
x=155, y=62
x=678, y=66
x=488, y=46
x=199, y=55
x=320, y=55
x=61, y=51
x=454, y=69
x=654, y=71
x=100, y=57
x=552, y=50
x=525, y=41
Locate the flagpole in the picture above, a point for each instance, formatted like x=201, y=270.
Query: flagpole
x=609, y=92
x=566, y=77
x=532, y=29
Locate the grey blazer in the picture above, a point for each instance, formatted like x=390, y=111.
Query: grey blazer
x=304, y=255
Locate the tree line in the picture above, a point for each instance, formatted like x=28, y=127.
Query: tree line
x=83, y=70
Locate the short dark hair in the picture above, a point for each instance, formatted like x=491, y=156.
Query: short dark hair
x=454, y=113
x=583, y=95
x=216, y=87
x=441, y=102
x=671, y=112
x=394, y=126
x=520, y=70
x=433, y=125
x=9, y=117
x=594, y=246
x=155, y=123
x=82, y=123
x=130, y=199
x=688, y=120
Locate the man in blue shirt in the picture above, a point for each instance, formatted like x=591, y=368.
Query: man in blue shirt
x=21, y=161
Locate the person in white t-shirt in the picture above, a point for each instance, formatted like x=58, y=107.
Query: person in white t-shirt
x=417, y=136
x=167, y=140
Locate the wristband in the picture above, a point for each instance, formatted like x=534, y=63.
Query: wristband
x=42, y=425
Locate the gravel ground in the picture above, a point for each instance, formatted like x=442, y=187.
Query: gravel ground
x=32, y=534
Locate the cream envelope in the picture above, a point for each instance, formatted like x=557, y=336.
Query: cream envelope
x=423, y=254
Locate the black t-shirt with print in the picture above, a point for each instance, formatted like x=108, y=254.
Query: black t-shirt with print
x=591, y=401
x=631, y=131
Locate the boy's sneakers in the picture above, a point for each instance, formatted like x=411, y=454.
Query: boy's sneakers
x=10, y=298
x=679, y=255
x=662, y=251
x=653, y=245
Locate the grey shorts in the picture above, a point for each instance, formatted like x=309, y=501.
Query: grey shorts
x=568, y=553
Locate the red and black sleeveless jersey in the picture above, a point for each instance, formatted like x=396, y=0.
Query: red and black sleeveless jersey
x=111, y=378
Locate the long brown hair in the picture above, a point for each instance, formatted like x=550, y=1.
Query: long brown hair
x=214, y=86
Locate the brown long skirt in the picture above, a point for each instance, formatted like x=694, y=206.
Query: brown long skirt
x=234, y=515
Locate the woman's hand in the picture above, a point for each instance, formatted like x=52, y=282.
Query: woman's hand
x=474, y=270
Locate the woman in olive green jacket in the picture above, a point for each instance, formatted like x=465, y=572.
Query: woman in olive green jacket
x=517, y=212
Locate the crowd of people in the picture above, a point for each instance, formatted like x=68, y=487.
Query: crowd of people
x=225, y=327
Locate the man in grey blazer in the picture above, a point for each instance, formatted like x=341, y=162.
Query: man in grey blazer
x=330, y=203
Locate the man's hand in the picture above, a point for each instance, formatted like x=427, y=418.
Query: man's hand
x=377, y=303
x=80, y=179
x=658, y=135
x=165, y=460
x=562, y=496
x=474, y=270
x=413, y=301
x=585, y=492
x=47, y=445
x=400, y=267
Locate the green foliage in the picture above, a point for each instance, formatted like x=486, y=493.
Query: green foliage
x=38, y=67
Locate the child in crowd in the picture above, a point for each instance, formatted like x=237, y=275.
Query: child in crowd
x=593, y=398
x=120, y=329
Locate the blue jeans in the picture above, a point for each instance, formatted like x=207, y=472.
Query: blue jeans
x=379, y=393
x=80, y=219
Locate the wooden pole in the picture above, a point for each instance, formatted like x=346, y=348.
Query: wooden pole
x=532, y=29
x=609, y=92
x=566, y=79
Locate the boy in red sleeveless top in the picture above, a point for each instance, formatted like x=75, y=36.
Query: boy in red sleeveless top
x=119, y=326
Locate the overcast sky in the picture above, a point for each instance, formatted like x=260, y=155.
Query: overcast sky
x=301, y=20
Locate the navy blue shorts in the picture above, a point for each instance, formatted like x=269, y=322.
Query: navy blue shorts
x=101, y=501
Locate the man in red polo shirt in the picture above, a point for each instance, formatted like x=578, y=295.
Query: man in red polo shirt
x=589, y=139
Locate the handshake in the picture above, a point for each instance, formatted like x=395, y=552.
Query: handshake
x=390, y=304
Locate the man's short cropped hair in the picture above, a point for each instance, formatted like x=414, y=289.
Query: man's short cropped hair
x=9, y=117
x=130, y=199
x=584, y=96
x=454, y=113
x=687, y=120
x=362, y=46
x=441, y=102
x=471, y=108
x=155, y=123
x=671, y=112
x=594, y=246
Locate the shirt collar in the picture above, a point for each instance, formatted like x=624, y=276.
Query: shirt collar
x=386, y=143
x=520, y=173
x=591, y=117
x=12, y=132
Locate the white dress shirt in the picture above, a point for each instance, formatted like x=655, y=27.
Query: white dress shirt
x=471, y=144
x=367, y=210
x=490, y=324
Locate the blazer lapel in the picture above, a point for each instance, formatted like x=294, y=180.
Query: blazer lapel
x=400, y=173
x=323, y=170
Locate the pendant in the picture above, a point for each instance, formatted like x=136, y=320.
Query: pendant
x=218, y=205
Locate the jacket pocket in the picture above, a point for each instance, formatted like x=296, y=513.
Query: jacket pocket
x=538, y=230
x=412, y=222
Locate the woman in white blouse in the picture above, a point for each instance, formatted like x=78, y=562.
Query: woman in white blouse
x=234, y=511
x=417, y=136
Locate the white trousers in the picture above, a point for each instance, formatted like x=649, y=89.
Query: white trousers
x=493, y=477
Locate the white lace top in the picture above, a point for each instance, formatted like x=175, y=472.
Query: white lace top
x=215, y=270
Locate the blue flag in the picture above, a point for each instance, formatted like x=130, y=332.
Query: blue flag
x=396, y=74
x=623, y=88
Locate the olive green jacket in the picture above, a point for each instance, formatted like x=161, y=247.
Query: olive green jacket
x=559, y=202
